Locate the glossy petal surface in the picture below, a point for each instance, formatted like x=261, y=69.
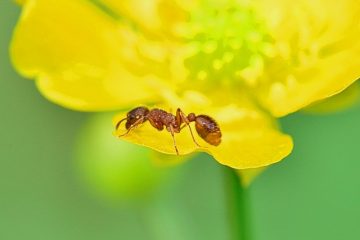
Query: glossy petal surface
x=317, y=43
x=249, y=139
x=76, y=56
x=280, y=55
x=341, y=101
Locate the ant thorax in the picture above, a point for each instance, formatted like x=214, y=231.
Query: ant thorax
x=160, y=118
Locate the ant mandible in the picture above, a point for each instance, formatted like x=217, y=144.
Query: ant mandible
x=205, y=126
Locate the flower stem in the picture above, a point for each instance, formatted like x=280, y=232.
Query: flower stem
x=237, y=206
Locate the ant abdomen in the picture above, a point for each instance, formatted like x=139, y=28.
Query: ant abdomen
x=208, y=129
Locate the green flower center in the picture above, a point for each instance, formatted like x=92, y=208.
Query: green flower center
x=228, y=44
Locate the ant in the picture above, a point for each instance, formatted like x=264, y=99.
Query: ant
x=205, y=126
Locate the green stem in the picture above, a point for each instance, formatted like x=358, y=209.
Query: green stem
x=237, y=206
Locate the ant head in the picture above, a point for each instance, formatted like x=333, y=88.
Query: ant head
x=135, y=115
x=208, y=129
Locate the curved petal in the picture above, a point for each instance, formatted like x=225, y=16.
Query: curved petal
x=75, y=51
x=345, y=99
x=316, y=51
x=156, y=17
x=249, y=138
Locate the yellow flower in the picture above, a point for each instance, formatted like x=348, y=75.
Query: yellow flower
x=243, y=63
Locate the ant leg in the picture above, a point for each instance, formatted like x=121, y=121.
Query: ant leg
x=132, y=126
x=181, y=115
x=173, y=137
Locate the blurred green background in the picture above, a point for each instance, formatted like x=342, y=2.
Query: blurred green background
x=313, y=194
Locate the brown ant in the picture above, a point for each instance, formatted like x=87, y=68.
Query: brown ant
x=205, y=126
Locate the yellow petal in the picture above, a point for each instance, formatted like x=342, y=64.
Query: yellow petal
x=249, y=138
x=343, y=100
x=155, y=17
x=316, y=51
x=75, y=51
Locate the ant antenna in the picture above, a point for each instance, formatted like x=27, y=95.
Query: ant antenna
x=132, y=126
x=118, y=124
